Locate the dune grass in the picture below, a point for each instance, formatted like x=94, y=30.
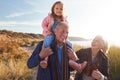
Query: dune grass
x=114, y=60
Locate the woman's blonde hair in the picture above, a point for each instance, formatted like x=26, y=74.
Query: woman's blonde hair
x=105, y=47
x=104, y=43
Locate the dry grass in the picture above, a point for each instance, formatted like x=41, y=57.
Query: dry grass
x=13, y=59
x=114, y=59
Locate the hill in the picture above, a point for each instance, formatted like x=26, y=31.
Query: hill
x=77, y=39
x=33, y=36
x=20, y=38
x=20, y=35
x=13, y=42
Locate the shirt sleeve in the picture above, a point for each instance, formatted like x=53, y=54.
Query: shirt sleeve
x=46, y=22
x=34, y=58
x=105, y=68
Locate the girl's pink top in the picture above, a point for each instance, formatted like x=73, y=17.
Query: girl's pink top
x=46, y=25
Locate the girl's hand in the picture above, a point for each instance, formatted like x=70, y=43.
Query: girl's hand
x=48, y=32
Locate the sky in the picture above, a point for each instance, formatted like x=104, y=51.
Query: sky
x=87, y=18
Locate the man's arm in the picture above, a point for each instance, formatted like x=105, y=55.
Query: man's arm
x=34, y=58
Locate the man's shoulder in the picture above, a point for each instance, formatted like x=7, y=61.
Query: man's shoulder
x=40, y=43
x=69, y=44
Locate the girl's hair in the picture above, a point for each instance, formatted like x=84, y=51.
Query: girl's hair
x=53, y=14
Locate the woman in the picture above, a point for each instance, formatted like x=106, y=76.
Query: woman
x=97, y=61
x=58, y=61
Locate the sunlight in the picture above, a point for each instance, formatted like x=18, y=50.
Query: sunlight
x=102, y=19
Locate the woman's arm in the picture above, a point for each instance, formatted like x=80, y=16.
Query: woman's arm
x=102, y=73
x=105, y=68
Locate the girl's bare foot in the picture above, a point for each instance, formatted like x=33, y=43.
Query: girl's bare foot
x=43, y=64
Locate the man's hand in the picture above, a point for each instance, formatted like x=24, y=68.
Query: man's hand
x=72, y=54
x=45, y=52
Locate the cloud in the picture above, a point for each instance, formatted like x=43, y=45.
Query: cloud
x=16, y=14
x=45, y=5
x=14, y=23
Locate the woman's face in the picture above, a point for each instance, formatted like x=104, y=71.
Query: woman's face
x=58, y=9
x=61, y=34
x=97, y=43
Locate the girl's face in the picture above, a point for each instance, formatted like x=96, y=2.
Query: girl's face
x=61, y=34
x=58, y=9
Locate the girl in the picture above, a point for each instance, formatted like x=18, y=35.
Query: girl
x=49, y=24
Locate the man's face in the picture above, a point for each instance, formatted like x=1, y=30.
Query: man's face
x=61, y=34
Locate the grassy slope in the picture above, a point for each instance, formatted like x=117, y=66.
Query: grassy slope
x=13, y=56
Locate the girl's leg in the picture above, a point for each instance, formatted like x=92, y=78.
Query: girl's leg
x=78, y=67
x=47, y=42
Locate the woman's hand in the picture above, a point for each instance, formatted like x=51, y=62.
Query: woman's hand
x=45, y=52
x=97, y=74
